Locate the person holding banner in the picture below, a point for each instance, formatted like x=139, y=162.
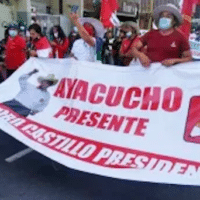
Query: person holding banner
x=166, y=45
x=32, y=100
x=91, y=32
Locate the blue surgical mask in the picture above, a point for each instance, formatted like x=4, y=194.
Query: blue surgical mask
x=165, y=23
x=13, y=33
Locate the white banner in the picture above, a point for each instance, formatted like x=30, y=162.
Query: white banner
x=130, y=123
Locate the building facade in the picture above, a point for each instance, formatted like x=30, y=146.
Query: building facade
x=13, y=10
x=49, y=11
x=146, y=4
x=128, y=9
x=52, y=11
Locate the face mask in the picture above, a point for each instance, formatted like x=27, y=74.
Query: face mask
x=118, y=33
x=56, y=35
x=75, y=29
x=12, y=33
x=89, y=29
x=165, y=23
x=129, y=34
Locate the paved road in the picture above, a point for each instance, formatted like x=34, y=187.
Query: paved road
x=33, y=178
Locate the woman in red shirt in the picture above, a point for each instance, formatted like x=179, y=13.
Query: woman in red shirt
x=40, y=46
x=60, y=43
x=15, y=53
x=131, y=41
x=166, y=45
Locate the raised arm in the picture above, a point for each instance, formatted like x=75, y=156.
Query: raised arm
x=82, y=32
x=23, y=79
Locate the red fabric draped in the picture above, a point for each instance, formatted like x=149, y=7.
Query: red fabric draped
x=107, y=8
x=187, y=12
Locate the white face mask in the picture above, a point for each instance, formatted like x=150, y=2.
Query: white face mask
x=75, y=29
x=56, y=35
x=129, y=34
x=117, y=34
x=12, y=33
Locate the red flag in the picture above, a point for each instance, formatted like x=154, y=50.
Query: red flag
x=108, y=8
x=187, y=12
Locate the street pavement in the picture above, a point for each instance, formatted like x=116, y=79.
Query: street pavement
x=33, y=178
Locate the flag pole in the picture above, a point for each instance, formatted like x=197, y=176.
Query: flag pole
x=151, y=13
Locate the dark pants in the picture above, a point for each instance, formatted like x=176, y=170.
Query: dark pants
x=17, y=107
x=10, y=72
x=108, y=59
x=118, y=61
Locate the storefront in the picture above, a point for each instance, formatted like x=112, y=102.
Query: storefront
x=49, y=13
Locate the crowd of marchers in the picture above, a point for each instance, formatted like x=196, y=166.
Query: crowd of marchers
x=89, y=41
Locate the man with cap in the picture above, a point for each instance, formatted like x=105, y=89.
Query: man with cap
x=15, y=53
x=90, y=30
x=131, y=31
x=31, y=99
x=166, y=45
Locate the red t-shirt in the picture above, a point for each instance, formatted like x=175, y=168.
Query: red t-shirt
x=43, y=44
x=15, y=54
x=161, y=47
x=61, y=48
x=126, y=46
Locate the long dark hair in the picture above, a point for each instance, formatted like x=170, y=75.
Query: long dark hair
x=61, y=34
x=36, y=28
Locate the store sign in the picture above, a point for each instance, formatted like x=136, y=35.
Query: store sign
x=129, y=8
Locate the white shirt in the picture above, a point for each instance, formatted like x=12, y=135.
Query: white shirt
x=32, y=97
x=44, y=53
x=83, y=51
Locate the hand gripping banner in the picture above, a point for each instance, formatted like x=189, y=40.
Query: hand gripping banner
x=130, y=123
